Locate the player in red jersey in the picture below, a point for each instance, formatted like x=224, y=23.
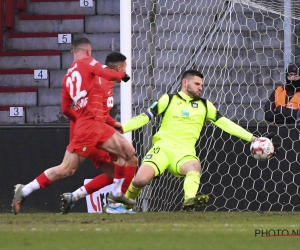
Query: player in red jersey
x=81, y=90
x=102, y=159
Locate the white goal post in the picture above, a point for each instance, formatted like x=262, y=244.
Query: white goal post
x=242, y=47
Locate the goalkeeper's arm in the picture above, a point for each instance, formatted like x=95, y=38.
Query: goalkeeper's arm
x=155, y=109
x=136, y=122
x=234, y=129
x=227, y=125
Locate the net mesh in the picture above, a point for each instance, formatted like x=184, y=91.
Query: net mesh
x=242, y=47
x=290, y=8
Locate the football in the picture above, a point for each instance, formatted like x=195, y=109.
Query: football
x=262, y=149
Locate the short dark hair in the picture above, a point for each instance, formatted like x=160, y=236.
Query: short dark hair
x=114, y=58
x=191, y=72
x=79, y=41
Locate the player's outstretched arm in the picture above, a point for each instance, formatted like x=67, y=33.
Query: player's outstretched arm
x=234, y=129
x=155, y=109
x=227, y=125
x=135, y=123
x=107, y=73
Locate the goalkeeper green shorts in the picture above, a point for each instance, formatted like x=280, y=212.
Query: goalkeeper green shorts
x=168, y=156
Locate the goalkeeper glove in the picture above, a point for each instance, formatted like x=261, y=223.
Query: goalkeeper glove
x=126, y=78
x=275, y=144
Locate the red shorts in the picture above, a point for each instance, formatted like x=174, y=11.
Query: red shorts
x=87, y=134
x=99, y=157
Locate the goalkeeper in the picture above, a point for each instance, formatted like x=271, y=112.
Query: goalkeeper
x=183, y=116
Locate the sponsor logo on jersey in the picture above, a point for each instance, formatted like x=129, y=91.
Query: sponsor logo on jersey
x=194, y=105
x=148, y=156
x=93, y=62
x=185, y=113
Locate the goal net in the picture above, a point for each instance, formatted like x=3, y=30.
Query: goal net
x=242, y=47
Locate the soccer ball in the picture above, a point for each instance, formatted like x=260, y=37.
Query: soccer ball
x=262, y=149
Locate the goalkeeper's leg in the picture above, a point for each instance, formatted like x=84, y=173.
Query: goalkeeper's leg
x=191, y=168
x=143, y=177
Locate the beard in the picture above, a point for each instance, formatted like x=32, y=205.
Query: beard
x=192, y=93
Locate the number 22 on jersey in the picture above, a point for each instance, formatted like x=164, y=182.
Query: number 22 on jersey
x=79, y=97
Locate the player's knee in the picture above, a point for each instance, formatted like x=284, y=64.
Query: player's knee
x=192, y=166
x=66, y=170
x=139, y=182
x=197, y=168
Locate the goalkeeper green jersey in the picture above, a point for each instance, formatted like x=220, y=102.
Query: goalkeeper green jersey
x=183, y=118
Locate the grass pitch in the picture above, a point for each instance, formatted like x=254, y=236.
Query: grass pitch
x=143, y=231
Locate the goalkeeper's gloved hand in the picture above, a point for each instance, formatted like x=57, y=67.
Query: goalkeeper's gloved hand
x=126, y=78
x=276, y=145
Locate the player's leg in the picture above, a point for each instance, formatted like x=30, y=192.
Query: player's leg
x=154, y=164
x=144, y=175
x=118, y=208
x=101, y=160
x=117, y=144
x=68, y=200
x=130, y=170
x=68, y=167
x=190, y=167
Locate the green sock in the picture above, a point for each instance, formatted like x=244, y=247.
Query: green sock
x=191, y=184
x=132, y=192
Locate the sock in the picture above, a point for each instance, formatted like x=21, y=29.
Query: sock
x=132, y=192
x=97, y=183
x=42, y=181
x=118, y=180
x=191, y=184
x=79, y=193
x=129, y=174
x=94, y=185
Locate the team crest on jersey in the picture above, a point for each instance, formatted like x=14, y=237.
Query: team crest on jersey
x=148, y=156
x=84, y=149
x=185, y=113
x=194, y=105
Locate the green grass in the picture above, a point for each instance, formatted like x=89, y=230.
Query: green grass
x=195, y=230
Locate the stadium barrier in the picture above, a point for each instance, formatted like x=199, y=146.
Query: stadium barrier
x=27, y=150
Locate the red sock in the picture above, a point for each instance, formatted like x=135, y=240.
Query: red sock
x=130, y=171
x=43, y=180
x=119, y=171
x=98, y=182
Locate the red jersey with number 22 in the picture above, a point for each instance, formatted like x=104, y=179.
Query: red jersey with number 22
x=81, y=88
